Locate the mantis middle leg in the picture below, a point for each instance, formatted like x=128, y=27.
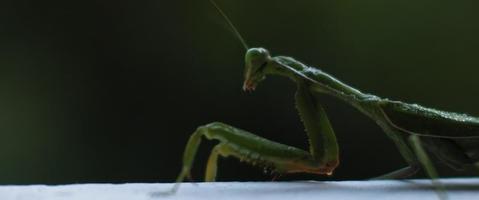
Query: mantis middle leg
x=406, y=153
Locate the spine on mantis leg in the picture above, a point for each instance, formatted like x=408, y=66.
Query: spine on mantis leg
x=322, y=140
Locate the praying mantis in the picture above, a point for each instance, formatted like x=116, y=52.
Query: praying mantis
x=417, y=131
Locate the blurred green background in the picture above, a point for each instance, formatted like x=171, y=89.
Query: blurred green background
x=109, y=91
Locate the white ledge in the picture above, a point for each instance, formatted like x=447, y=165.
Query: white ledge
x=457, y=189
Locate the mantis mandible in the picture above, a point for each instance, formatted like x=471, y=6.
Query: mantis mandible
x=417, y=131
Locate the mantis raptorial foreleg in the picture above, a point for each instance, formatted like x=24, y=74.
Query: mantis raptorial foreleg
x=322, y=140
x=249, y=148
x=322, y=157
x=212, y=166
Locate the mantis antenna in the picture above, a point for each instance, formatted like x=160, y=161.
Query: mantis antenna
x=235, y=31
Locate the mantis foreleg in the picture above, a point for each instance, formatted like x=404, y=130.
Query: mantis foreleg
x=321, y=159
x=322, y=140
x=249, y=148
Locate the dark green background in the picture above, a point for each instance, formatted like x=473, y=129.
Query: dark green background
x=109, y=91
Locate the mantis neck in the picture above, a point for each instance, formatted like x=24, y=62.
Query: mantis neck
x=321, y=82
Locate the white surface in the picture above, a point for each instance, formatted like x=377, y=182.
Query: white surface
x=458, y=189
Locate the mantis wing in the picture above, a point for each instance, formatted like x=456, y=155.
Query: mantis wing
x=431, y=122
x=452, y=137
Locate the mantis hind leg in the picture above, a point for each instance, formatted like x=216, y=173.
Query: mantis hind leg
x=422, y=156
x=427, y=165
x=250, y=148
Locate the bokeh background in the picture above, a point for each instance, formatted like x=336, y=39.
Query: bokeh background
x=109, y=91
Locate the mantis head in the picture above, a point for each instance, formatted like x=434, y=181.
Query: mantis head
x=256, y=60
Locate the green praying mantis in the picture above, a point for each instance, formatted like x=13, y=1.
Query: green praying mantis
x=417, y=131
